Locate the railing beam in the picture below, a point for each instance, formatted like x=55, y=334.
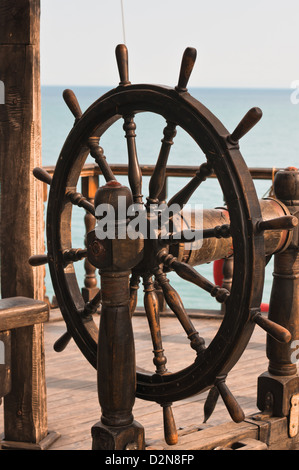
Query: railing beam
x=92, y=169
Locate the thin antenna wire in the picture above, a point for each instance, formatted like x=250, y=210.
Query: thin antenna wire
x=123, y=20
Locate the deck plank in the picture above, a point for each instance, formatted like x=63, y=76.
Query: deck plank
x=72, y=398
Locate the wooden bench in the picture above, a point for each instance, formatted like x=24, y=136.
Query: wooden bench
x=22, y=374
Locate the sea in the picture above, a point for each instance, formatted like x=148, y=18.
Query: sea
x=272, y=143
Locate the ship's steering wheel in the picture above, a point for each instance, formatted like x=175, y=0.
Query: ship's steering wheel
x=155, y=259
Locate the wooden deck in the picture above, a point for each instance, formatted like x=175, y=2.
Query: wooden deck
x=72, y=393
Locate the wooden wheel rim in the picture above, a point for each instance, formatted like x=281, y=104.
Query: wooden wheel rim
x=239, y=192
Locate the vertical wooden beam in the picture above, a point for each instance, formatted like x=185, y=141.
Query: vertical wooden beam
x=20, y=149
x=21, y=225
x=280, y=383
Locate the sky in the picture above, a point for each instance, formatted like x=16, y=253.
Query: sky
x=252, y=43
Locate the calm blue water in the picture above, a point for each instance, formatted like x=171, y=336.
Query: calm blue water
x=274, y=142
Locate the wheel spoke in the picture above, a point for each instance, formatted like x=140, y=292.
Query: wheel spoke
x=73, y=104
x=170, y=430
x=230, y=402
x=188, y=273
x=278, y=332
x=97, y=153
x=151, y=305
x=176, y=305
x=286, y=222
x=134, y=172
x=68, y=256
x=86, y=315
x=119, y=292
x=188, y=236
x=121, y=53
x=250, y=119
x=210, y=403
x=73, y=255
x=76, y=198
x=157, y=180
x=187, y=64
x=62, y=342
x=92, y=306
x=134, y=286
x=42, y=175
x=93, y=142
x=182, y=197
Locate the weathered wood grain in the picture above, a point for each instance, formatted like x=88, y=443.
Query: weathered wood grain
x=20, y=311
x=21, y=231
x=20, y=149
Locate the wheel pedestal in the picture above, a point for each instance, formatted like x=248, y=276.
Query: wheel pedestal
x=129, y=437
x=116, y=371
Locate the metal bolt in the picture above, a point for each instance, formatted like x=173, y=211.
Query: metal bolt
x=97, y=248
x=132, y=446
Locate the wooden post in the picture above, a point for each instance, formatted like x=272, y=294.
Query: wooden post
x=89, y=186
x=20, y=149
x=22, y=195
x=116, y=366
x=117, y=429
x=280, y=383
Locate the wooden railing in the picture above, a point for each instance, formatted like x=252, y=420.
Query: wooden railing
x=90, y=182
x=91, y=170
